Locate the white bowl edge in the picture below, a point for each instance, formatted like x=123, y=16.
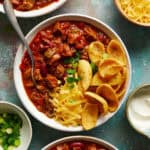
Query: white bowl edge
x=37, y=12
x=18, y=79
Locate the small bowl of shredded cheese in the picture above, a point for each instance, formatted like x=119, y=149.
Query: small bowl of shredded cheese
x=136, y=11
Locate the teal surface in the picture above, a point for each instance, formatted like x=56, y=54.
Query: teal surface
x=137, y=39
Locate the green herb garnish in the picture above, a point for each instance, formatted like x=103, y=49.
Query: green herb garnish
x=94, y=67
x=71, y=71
x=77, y=79
x=75, y=65
x=73, y=60
x=77, y=56
x=68, y=60
x=70, y=79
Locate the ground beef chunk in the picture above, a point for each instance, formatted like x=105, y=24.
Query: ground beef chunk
x=37, y=75
x=61, y=27
x=80, y=43
x=84, y=54
x=67, y=50
x=59, y=72
x=26, y=5
x=49, y=53
x=29, y=84
x=90, y=33
x=51, y=81
x=74, y=34
x=55, y=58
x=27, y=73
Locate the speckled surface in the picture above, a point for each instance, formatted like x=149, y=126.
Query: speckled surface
x=137, y=39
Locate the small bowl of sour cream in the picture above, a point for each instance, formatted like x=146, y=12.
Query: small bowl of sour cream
x=138, y=110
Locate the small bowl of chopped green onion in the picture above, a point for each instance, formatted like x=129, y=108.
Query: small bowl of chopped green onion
x=15, y=127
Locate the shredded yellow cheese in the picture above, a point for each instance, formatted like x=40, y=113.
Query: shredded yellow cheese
x=68, y=105
x=137, y=10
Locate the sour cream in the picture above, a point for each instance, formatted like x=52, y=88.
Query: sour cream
x=138, y=110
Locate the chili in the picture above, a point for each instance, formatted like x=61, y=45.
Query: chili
x=56, y=49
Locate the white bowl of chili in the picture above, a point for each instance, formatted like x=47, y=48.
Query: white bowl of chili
x=16, y=129
x=39, y=8
x=80, y=142
x=57, y=113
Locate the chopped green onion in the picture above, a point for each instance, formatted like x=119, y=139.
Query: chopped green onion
x=17, y=142
x=73, y=79
x=3, y=130
x=94, y=67
x=77, y=56
x=9, y=130
x=11, y=148
x=5, y=147
x=77, y=79
x=71, y=71
x=11, y=140
x=68, y=60
x=73, y=60
x=1, y=141
x=75, y=65
x=70, y=79
x=10, y=125
x=2, y=120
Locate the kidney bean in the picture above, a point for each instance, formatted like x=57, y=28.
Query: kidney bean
x=43, y=70
x=76, y=144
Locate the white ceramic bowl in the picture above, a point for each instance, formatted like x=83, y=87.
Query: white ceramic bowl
x=26, y=130
x=80, y=138
x=18, y=79
x=37, y=12
x=141, y=92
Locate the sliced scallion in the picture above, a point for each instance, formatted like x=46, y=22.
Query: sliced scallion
x=10, y=125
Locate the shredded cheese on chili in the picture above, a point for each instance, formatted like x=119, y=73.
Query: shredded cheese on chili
x=68, y=105
x=137, y=10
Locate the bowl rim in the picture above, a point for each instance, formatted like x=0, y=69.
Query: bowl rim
x=74, y=15
x=26, y=117
x=117, y=3
x=131, y=95
x=80, y=137
x=37, y=12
